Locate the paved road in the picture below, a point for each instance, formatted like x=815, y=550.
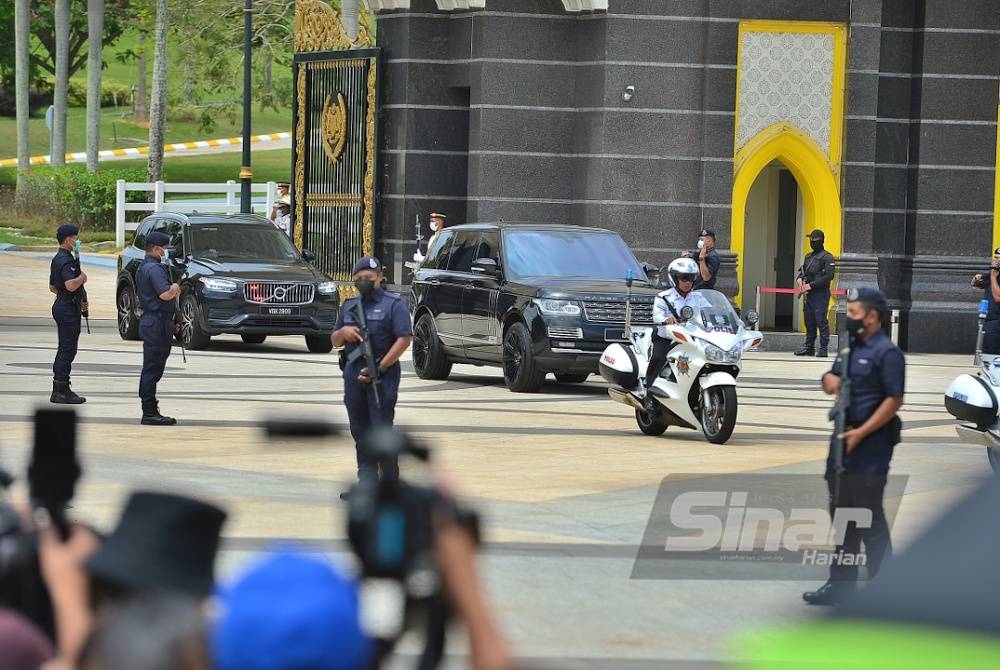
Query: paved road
x=563, y=477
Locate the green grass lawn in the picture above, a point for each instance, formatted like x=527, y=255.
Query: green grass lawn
x=273, y=165
x=13, y=236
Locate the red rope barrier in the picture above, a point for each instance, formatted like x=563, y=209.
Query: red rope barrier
x=762, y=289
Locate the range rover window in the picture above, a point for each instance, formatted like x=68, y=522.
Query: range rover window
x=463, y=251
x=437, y=254
x=562, y=253
x=231, y=240
x=139, y=242
x=489, y=246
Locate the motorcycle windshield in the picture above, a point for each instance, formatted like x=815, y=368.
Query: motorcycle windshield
x=714, y=313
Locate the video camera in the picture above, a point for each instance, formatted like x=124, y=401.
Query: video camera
x=390, y=527
x=52, y=476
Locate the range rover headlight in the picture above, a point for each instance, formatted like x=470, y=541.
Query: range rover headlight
x=558, y=307
x=327, y=287
x=221, y=285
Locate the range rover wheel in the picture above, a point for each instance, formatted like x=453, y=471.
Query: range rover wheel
x=192, y=335
x=254, y=339
x=650, y=425
x=572, y=377
x=429, y=360
x=319, y=344
x=128, y=324
x=520, y=371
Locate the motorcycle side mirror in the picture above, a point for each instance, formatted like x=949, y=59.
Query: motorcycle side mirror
x=752, y=317
x=687, y=312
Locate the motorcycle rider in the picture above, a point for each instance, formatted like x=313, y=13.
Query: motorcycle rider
x=667, y=308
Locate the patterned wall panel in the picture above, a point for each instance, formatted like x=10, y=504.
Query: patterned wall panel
x=786, y=76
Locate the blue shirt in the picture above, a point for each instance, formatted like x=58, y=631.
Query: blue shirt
x=151, y=280
x=878, y=371
x=712, y=260
x=63, y=268
x=387, y=316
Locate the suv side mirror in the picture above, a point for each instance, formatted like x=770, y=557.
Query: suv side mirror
x=652, y=273
x=308, y=256
x=486, y=266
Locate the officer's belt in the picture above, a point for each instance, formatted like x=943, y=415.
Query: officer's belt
x=66, y=296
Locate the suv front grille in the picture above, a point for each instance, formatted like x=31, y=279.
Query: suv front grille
x=278, y=293
x=614, y=312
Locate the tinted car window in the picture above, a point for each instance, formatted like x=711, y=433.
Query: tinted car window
x=257, y=242
x=564, y=253
x=489, y=246
x=463, y=251
x=140, y=234
x=437, y=254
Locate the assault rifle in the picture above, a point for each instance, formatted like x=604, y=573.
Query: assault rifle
x=838, y=414
x=364, y=349
x=81, y=293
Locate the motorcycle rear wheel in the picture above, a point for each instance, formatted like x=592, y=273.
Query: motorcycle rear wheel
x=718, y=413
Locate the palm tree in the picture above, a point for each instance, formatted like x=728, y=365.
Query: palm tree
x=158, y=108
x=95, y=29
x=22, y=61
x=61, y=83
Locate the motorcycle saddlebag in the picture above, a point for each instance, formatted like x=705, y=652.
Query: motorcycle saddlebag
x=972, y=399
x=618, y=366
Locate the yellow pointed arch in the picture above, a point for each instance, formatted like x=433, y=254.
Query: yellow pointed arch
x=818, y=180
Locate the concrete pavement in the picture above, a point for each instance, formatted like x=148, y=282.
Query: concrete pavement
x=564, y=478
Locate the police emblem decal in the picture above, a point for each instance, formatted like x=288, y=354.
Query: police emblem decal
x=683, y=364
x=372, y=264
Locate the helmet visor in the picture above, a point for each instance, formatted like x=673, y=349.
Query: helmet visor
x=685, y=277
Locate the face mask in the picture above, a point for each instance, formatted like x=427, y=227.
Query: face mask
x=701, y=244
x=365, y=286
x=855, y=326
x=76, y=247
x=816, y=245
x=434, y=226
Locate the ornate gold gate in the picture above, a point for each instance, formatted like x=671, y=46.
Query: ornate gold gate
x=336, y=138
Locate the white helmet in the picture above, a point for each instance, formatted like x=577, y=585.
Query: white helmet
x=682, y=267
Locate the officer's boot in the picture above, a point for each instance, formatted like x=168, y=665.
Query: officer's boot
x=151, y=415
x=806, y=350
x=63, y=395
x=821, y=352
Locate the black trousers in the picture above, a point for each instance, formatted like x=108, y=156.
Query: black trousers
x=815, y=308
x=658, y=358
x=157, y=333
x=67, y=316
x=365, y=415
x=991, y=337
x=861, y=491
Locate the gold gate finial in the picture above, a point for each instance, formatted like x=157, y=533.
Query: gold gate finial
x=318, y=28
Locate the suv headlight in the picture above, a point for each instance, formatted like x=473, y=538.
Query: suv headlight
x=327, y=287
x=558, y=307
x=222, y=285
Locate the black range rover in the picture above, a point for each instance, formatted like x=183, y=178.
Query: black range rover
x=238, y=274
x=531, y=298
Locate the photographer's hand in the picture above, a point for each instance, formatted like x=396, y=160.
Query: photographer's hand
x=456, y=556
x=62, y=569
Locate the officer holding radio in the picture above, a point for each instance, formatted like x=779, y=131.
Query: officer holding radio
x=872, y=429
x=991, y=293
x=370, y=396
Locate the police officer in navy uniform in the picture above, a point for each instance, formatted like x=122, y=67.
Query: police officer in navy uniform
x=66, y=280
x=877, y=374
x=390, y=331
x=814, y=280
x=707, y=259
x=157, y=298
x=991, y=293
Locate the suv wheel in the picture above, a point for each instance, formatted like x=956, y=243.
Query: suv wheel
x=128, y=325
x=319, y=344
x=572, y=377
x=519, y=369
x=253, y=339
x=191, y=334
x=429, y=360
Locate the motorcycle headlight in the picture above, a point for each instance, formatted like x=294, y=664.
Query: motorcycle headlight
x=558, y=307
x=715, y=354
x=327, y=287
x=221, y=285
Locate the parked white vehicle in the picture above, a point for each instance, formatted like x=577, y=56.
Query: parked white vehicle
x=975, y=398
x=697, y=387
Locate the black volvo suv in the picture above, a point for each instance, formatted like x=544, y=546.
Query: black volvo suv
x=238, y=274
x=531, y=298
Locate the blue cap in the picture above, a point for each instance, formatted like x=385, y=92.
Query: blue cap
x=158, y=239
x=707, y=232
x=290, y=611
x=366, y=263
x=66, y=230
x=869, y=296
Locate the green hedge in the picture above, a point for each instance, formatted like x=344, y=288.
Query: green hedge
x=76, y=93
x=70, y=194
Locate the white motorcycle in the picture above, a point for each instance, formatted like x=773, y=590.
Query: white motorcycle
x=697, y=387
x=975, y=399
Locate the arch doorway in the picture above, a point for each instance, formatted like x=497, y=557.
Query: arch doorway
x=783, y=188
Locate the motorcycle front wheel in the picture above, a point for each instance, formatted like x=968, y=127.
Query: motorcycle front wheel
x=718, y=413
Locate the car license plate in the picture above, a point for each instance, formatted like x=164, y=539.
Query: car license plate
x=614, y=334
x=280, y=311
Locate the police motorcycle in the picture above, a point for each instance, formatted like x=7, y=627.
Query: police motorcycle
x=974, y=398
x=697, y=386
